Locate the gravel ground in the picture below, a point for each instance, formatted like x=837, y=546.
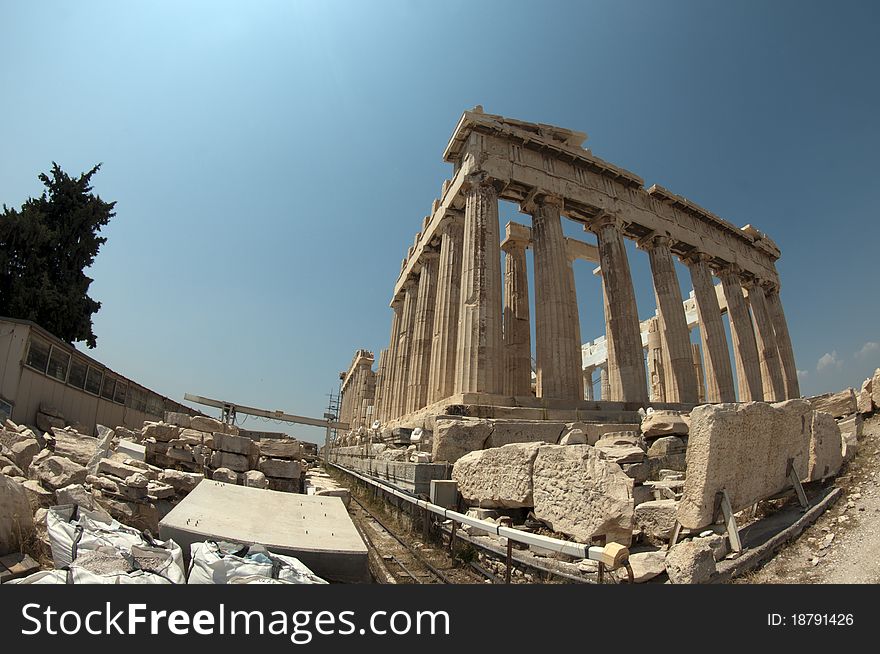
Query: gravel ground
x=843, y=545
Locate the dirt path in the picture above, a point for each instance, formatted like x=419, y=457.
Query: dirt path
x=843, y=546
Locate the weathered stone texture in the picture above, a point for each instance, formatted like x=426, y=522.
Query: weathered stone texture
x=826, y=452
x=691, y=562
x=743, y=448
x=453, y=438
x=499, y=477
x=16, y=516
x=837, y=404
x=665, y=423
x=580, y=494
x=656, y=519
x=55, y=472
x=281, y=449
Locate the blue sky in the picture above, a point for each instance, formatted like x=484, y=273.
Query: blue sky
x=272, y=161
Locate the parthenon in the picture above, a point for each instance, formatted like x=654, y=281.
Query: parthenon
x=459, y=336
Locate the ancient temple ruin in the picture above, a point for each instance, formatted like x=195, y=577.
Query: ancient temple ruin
x=460, y=340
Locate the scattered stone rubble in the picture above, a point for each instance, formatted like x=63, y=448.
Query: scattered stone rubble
x=40, y=469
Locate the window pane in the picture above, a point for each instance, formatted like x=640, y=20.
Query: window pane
x=38, y=355
x=58, y=363
x=93, y=381
x=119, y=397
x=77, y=376
x=108, y=387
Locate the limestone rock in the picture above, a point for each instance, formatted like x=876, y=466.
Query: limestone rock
x=16, y=515
x=234, y=444
x=642, y=494
x=826, y=451
x=117, y=468
x=38, y=496
x=177, y=418
x=505, y=432
x=73, y=445
x=743, y=448
x=137, y=480
x=573, y=437
x=204, y=423
x=646, y=565
x=691, y=562
x=237, y=462
x=76, y=494
x=280, y=468
x=875, y=389
x=622, y=447
x=578, y=493
x=255, y=479
x=865, y=399
x=455, y=437
x=837, y=404
x=499, y=477
x=656, y=519
x=22, y=448
x=193, y=437
x=290, y=449
x=650, y=468
x=225, y=474
x=55, y=472
x=667, y=445
x=161, y=432
x=183, y=482
x=665, y=423
x=850, y=435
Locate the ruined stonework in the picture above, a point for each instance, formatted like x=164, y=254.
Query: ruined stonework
x=745, y=449
x=500, y=477
x=826, y=451
x=578, y=493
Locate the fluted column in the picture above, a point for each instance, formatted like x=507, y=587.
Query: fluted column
x=388, y=393
x=517, y=329
x=623, y=321
x=422, y=333
x=698, y=372
x=768, y=351
x=681, y=385
x=441, y=377
x=380, y=383
x=575, y=320
x=656, y=363
x=604, y=383
x=588, y=383
x=479, y=353
x=716, y=356
x=404, y=344
x=557, y=344
x=745, y=348
x=783, y=342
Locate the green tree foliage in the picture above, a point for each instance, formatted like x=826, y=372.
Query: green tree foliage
x=45, y=248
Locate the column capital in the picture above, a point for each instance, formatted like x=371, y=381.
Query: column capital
x=769, y=286
x=479, y=180
x=696, y=256
x=410, y=282
x=429, y=253
x=604, y=219
x=653, y=240
x=537, y=199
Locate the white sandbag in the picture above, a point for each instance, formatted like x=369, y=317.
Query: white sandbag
x=76, y=575
x=257, y=580
x=221, y=563
x=73, y=529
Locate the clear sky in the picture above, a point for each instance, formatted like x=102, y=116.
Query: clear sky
x=272, y=161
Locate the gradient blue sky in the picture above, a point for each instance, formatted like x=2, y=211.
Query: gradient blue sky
x=272, y=161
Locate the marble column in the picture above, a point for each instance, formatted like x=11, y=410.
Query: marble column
x=698, y=373
x=681, y=385
x=404, y=345
x=656, y=363
x=422, y=333
x=557, y=343
x=623, y=321
x=441, y=378
x=716, y=356
x=604, y=383
x=783, y=342
x=576, y=319
x=479, y=364
x=517, y=328
x=381, y=372
x=389, y=391
x=745, y=348
x=768, y=351
x=588, y=383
